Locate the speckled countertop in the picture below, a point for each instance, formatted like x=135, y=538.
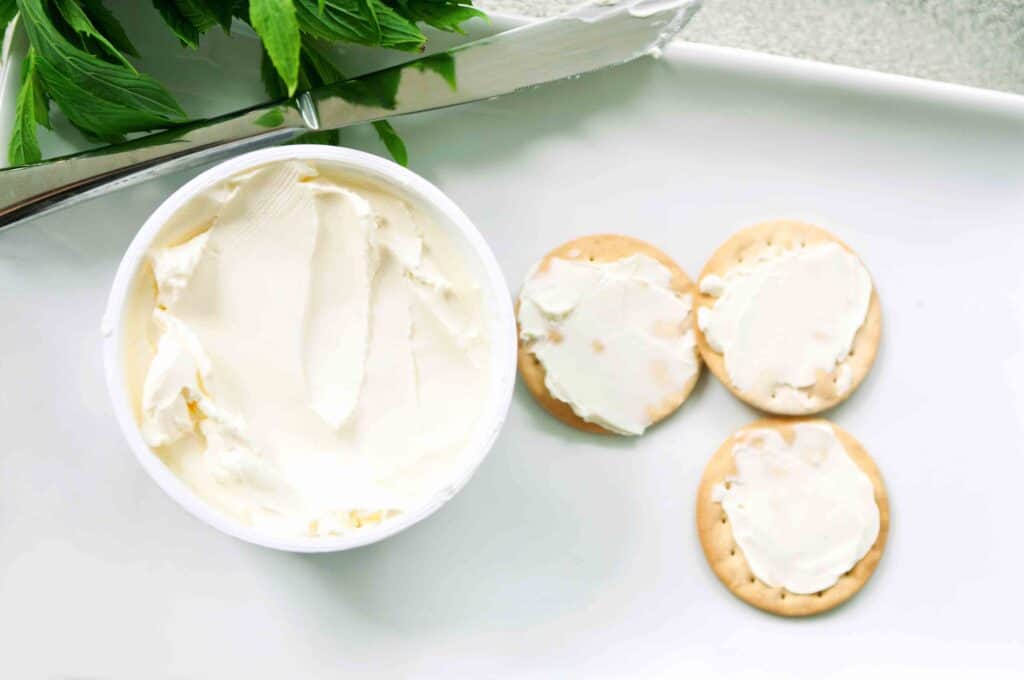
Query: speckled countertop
x=971, y=42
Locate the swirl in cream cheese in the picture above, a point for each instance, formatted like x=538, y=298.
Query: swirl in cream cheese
x=321, y=354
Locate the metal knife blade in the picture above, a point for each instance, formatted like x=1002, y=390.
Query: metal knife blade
x=599, y=34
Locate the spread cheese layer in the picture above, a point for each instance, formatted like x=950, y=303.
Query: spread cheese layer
x=802, y=512
x=320, y=352
x=787, y=317
x=614, y=338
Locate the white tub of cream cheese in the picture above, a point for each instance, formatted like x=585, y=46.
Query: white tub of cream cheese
x=255, y=380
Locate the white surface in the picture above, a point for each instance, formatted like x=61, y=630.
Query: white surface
x=499, y=322
x=568, y=555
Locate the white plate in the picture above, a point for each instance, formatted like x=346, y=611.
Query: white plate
x=570, y=555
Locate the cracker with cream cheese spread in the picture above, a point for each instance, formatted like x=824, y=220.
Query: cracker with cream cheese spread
x=610, y=249
x=824, y=385
x=727, y=559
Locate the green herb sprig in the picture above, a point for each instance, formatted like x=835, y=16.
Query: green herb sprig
x=81, y=58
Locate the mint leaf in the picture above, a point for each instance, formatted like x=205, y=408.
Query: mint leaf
x=8, y=8
x=83, y=26
x=394, y=143
x=445, y=15
x=222, y=10
x=272, y=83
x=315, y=69
x=443, y=64
x=189, y=19
x=182, y=27
x=41, y=103
x=319, y=68
x=109, y=26
x=328, y=137
x=24, y=146
x=377, y=89
x=198, y=14
x=365, y=22
x=101, y=99
x=80, y=62
x=271, y=119
x=278, y=28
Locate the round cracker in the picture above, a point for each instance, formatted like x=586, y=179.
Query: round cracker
x=602, y=248
x=726, y=558
x=751, y=242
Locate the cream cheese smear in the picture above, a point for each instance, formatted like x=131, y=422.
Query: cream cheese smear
x=321, y=352
x=784, y=319
x=801, y=510
x=615, y=340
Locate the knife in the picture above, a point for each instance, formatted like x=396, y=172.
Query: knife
x=593, y=36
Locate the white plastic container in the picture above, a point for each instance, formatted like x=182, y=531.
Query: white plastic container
x=445, y=213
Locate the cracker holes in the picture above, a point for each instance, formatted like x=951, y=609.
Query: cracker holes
x=803, y=243
x=820, y=593
x=782, y=595
x=732, y=552
x=752, y=579
x=724, y=519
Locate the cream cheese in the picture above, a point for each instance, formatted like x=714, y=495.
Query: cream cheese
x=615, y=340
x=321, y=352
x=801, y=511
x=785, y=318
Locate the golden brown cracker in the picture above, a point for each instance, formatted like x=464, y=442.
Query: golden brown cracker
x=748, y=244
x=603, y=248
x=726, y=558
